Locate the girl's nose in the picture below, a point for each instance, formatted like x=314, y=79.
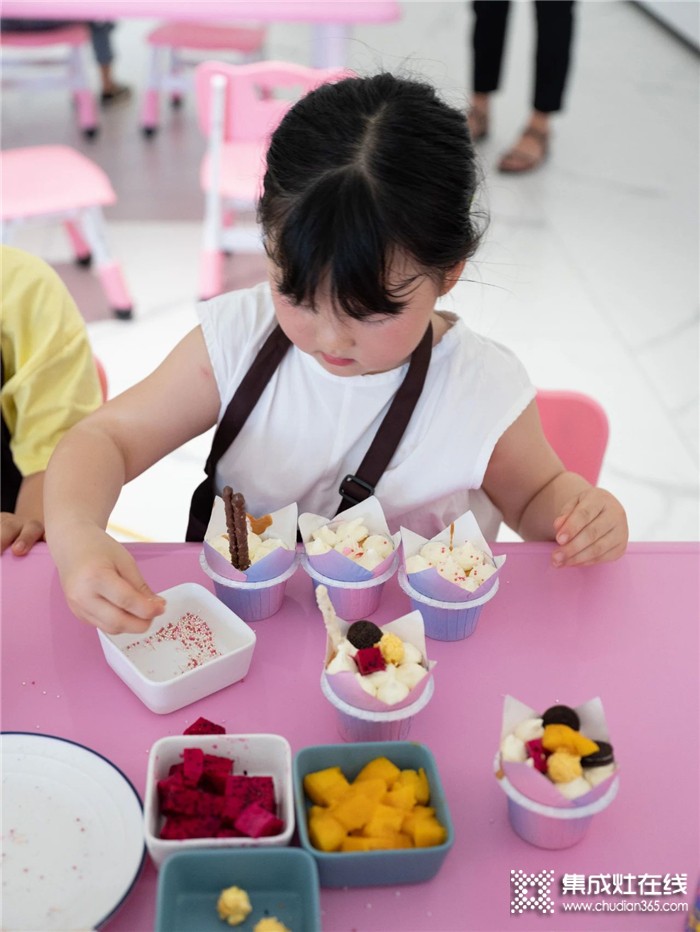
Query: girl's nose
x=334, y=335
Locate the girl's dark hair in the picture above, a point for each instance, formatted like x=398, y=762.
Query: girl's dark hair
x=357, y=172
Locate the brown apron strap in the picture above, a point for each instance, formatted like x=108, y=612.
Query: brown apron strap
x=356, y=488
x=236, y=414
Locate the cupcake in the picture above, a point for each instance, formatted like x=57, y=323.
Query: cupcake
x=352, y=555
x=249, y=559
x=375, y=676
x=557, y=768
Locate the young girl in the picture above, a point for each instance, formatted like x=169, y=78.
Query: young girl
x=367, y=220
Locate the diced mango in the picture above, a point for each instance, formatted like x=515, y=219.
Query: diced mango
x=375, y=788
x=418, y=779
x=325, y=832
x=428, y=832
x=323, y=786
x=383, y=808
x=385, y=820
x=353, y=812
x=385, y=843
x=379, y=767
x=401, y=797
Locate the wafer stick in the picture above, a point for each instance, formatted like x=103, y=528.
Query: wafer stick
x=330, y=619
x=234, y=507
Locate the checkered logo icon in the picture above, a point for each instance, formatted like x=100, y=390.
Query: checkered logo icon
x=531, y=892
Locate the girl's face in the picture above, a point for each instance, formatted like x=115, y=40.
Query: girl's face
x=345, y=346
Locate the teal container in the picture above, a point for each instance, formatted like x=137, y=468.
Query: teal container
x=280, y=882
x=372, y=868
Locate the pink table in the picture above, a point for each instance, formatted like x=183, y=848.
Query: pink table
x=626, y=631
x=330, y=19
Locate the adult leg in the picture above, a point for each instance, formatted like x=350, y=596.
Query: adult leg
x=488, y=41
x=555, y=27
x=101, y=35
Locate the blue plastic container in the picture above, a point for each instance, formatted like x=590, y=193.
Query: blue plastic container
x=372, y=868
x=280, y=882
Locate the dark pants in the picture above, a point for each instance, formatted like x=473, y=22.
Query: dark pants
x=555, y=26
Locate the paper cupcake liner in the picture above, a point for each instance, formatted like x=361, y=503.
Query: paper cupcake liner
x=361, y=725
x=432, y=585
x=352, y=600
x=251, y=601
x=548, y=826
x=273, y=564
x=446, y=621
x=336, y=565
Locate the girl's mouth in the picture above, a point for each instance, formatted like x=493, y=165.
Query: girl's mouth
x=336, y=360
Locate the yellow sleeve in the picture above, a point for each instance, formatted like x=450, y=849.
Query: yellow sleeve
x=49, y=376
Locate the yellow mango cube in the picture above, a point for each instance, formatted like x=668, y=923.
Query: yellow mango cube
x=379, y=767
x=417, y=813
x=428, y=832
x=374, y=788
x=401, y=797
x=353, y=812
x=418, y=779
x=323, y=786
x=385, y=820
x=325, y=832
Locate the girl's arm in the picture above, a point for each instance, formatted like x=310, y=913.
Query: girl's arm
x=540, y=500
x=178, y=401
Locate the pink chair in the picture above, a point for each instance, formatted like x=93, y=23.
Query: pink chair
x=170, y=41
x=30, y=70
x=238, y=107
x=577, y=428
x=57, y=184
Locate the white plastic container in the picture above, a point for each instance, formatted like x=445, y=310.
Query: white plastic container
x=167, y=672
x=254, y=755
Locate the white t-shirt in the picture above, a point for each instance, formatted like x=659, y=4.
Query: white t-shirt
x=311, y=428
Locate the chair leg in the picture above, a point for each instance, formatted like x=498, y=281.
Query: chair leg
x=150, y=109
x=84, y=99
x=108, y=270
x=83, y=256
x=211, y=273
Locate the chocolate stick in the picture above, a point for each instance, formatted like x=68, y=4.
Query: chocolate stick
x=240, y=527
x=227, y=495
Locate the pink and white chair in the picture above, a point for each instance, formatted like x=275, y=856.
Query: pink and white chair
x=24, y=67
x=577, y=427
x=56, y=184
x=238, y=107
x=170, y=57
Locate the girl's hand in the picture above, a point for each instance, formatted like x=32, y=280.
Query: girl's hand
x=20, y=531
x=591, y=528
x=103, y=585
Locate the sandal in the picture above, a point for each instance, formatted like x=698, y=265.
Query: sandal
x=478, y=123
x=118, y=94
x=518, y=161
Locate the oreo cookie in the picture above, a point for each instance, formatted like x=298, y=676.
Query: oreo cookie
x=599, y=758
x=363, y=634
x=561, y=715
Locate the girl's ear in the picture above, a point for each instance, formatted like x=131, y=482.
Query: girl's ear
x=452, y=277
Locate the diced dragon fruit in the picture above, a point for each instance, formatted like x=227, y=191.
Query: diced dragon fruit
x=256, y=822
x=179, y=829
x=193, y=765
x=369, y=660
x=204, y=727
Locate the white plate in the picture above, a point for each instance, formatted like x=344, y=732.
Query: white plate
x=72, y=827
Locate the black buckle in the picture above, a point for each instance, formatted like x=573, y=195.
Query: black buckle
x=369, y=489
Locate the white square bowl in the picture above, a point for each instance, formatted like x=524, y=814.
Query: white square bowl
x=256, y=755
x=155, y=666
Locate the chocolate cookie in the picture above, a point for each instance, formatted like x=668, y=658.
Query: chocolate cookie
x=601, y=757
x=561, y=715
x=364, y=634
